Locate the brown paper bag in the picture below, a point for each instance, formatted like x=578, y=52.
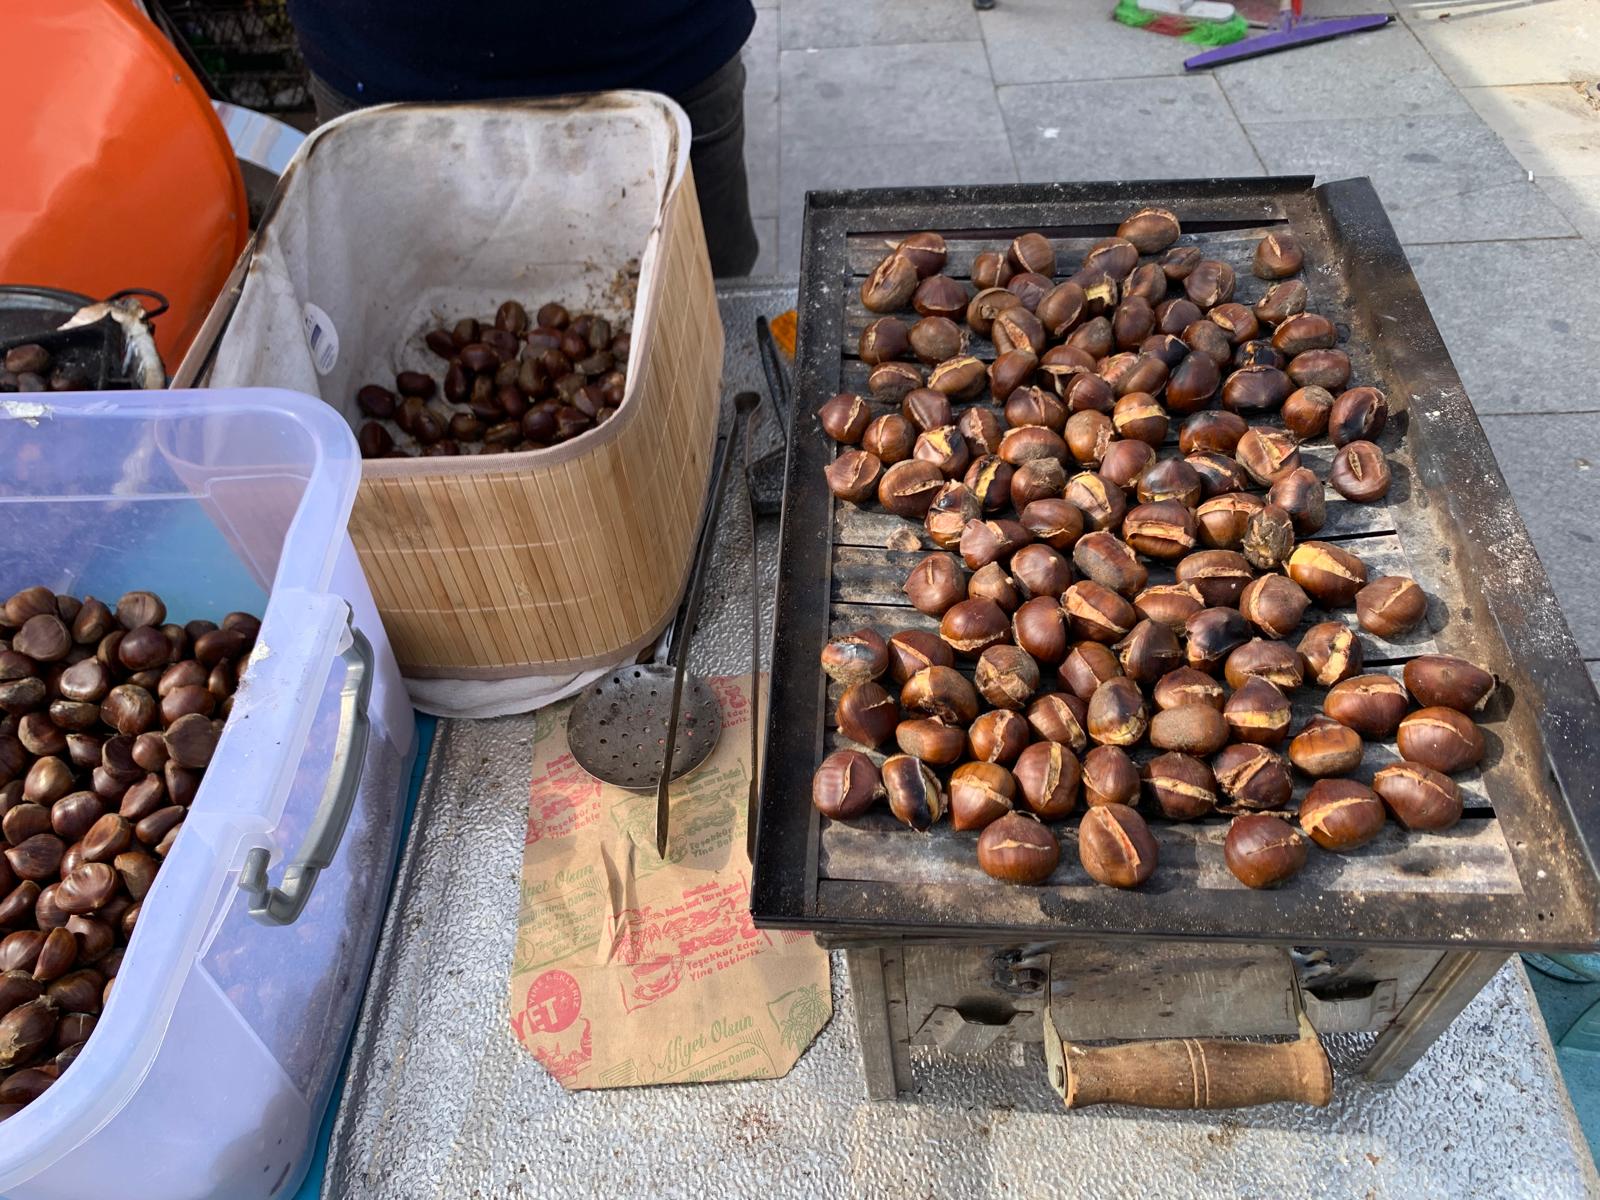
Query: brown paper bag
x=630, y=970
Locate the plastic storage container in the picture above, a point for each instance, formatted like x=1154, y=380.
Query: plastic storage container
x=212, y=1065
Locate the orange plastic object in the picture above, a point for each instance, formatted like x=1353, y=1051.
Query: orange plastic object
x=118, y=173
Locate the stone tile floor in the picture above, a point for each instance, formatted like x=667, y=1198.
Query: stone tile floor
x=1478, y=121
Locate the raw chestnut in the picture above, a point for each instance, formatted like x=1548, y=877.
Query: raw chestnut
x=942, y=692
x=1360, y=472
x=1115, y=846
x=1324, y=747
x=1330, y=575
x=1007, y=676
x=1332, y=653
x=846, y=785
x=1391, y=606
x=1419, y=797
x=856, y=657
x=1182, y=787
x=1187, y=686
x=997, y=736
x=1262, y=851
x=1190, y=728
x=1018, y=849
x=1048, y=775
x=931, y=740
x=1441, y=738
x=1372, y=705
x=1341, y=814
x=1258, y=713
x=867, y=714
x=915, y=797
x=1442, y=680
x=1109, y=777
x=1261, y=658
x=1253, y=776
x=980, y=794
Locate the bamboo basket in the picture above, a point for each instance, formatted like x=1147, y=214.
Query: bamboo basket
x=394, y=220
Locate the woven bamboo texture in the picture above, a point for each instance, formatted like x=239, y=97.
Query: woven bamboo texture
x=560, y=559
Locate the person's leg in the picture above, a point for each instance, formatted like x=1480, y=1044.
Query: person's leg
x=716, y=115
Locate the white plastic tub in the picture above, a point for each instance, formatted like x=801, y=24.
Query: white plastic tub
x=211, y=1067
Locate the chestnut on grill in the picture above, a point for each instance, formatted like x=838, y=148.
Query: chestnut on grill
x=989, y=479
x=980, y=794
x=1190, y=728
x=1306, y=411
x=915, y=797
x=1324, y=368
x=1192, y=383
x=1210, y=283
x=1011, y=372
x=1171, y=479
x=867, y=714
x=1253, y=776
x=1302, y=332
x=1150, y=230
x=981, y=428
x=1175, y=315
x=931, y=740
x=972, y=626
x=890, y=285
x=1097, y=613
x=1267, y=454
x=1235, y=320
x=1277, y=255
x=855, y=657
x=1252, y=390
x=1360, y=472
x=1032, y=252
x=992, y=583
x=1182, y=787
x=926, y=409
x=1262, y=851
x=1219, y=474
x=1300, y=494
x=1419, y=797
x=1101, y=502
x=1220, y=576
x=954, y=505
x=892, y=382
x=1034, y=406
x=1325, y=747
x=1146, y=282
x=1169, y=604
x=1038, y=479
x=984, y=542
x=1341, y=814
x=1330, y=575
x=943, y=692
x=1088, y=435
x=1187, y=686
x=934, y=339
x=907, y=489
x=1357, y=415
x=1391, y=606
x=1150, y=651
x=1206, y=337
x=1057, y=717
x=939, y=296
x=845, y=418
x=1109, y=777
x=1132, y=321
x=1086, y=666
x=1276, y=662
x=882, y=341
x=1040, y=628
x=1048, y=775
x=1179, y=262
x=945, y=448
x=1441, y=738
x=1138, y=416
x=1258, y=712
x=935, y=584
x=1109, y=561
x=1274, y=605
x=991, y=270
x=997, y=736
x=1061, y=308
x=1040, y=571
x=1116, y=714
x=1115, y=845
x=846, y=785
x=1372, y=705
x=1282, y=301
x=1007, y=676
x=1018, y=446
x=1017, y=328
x=925, y=251
x=1444, y=680
x=1332, y=653
x=1213, y=634
x=912, y=650
x=1018, y=849
x=1222, y=521
x=1056, y=522
x=1164, y=529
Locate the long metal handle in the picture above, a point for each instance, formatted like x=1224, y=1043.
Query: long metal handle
x=752, y=806
x=283, y=905
x=683, y=632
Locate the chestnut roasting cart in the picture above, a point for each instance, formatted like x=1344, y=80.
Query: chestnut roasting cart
x=1393, y=939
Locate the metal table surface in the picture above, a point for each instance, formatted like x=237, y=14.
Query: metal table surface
x=441, y=1101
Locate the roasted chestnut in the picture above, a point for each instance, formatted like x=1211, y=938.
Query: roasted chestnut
x=1300, y=494
x=1330, y=575
x=954, y=505
x=972, y=626
x=1274, y=605
x=1102, y=502
x=1150, y=651
x=1115, y=845
x=1086, y=666
x=931, y=740
x=1213, y=634
x=845, y=418
x=1276, y=662
x=1372, y=705
x=891, y=382
x=1253, y=390
x=1060, y=718
x=1088, y=435
x=1391, y=606
x=926, y=252
x=1190, y=728
x=990, y=480
x=1360, y=472
x=1018, y=849
x=934, y=339
x=855, y=657
x=1418, y=796
x=891, y=284
x=992, y=583
x=942, y=692
x=1235, y=320
x=940, y=296
x=1325, y=747
x=1010, y=373
x=1210, y=283
x=915, y=797
x=1267, y=454
x=1219, y=474
x=1018, y=446
x=1164, y=529
x=1357, y=415
x=1056, y=522
x=907, y=489
x=945, y=448
x=1109, y=777
x=1032, y=252
x=867, y=714
x=1262, y=851
x=1322, y=368
x=1187, y=686
x=1220, y=576
x=1170, y=604
x=1277, y=255
x=984, y=542
x=1151, y=230
x=1192, y=383
x=1332, y=653
x=1179, y=262
x=1116, y=714
x=1253, y=776
x=1048, y=774
x=913, y=649
x=1040, y=628
x=1282, y=301
x=1110, y=562
x=1007, y=676
x=1306, y=411
x=1222, y=521
x=981, y=428
x=1037, y=479
x=846, y=785
x=882, y=341
x=926, y=409
x=1182, y=787
x=1302, y=332
x=980, y=794
x=1257, y=712
x=997, y=736
x=1098, y=613
x=1444, y=680
x=1441, y=738
x=935, y=584
x=1171, y=479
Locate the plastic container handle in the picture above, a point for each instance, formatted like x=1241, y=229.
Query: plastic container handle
x=283, y=905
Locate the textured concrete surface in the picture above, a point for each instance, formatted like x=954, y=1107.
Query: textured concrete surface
x=442, y=1103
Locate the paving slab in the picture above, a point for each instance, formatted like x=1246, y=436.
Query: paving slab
x=761, y=114
x=1552, y=128
x=767, y=236
x=1044, y=41
x=1496, y=301
x=1578, y=198
x=1132, y=129
x=1552, y=465
x=1441, y=178
x=874, y=22
x=1385, y=73
x=1495, y=42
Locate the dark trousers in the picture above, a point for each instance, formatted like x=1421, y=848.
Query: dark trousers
x=716, y=116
